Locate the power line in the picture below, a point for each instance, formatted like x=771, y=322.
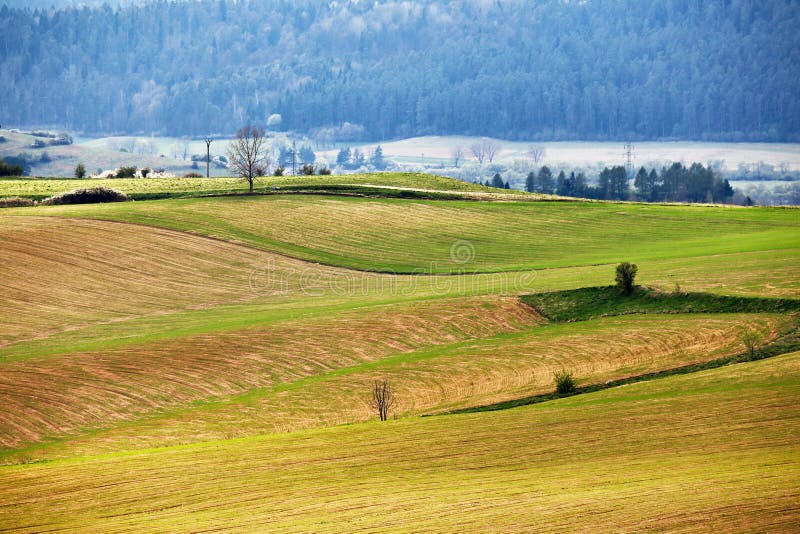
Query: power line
x=628, y=154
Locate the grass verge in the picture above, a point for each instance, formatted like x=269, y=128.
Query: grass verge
x=592, y=302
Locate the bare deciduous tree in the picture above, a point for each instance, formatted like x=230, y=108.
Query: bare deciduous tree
x=536, y=153
x=484, y=149
x=247, y=154
x=457, y=154
x=382, y=398
x=491, y=148
x=477, y=151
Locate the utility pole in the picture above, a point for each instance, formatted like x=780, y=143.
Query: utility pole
x=629, y=159
x=208, y=141
x=294, y=158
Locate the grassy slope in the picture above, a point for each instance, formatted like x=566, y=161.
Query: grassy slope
x=434, y=236
x=714, y=450
x=593, y=302
x=188, y=187
x=163, y=292
x=201, y=349
x=290, y=381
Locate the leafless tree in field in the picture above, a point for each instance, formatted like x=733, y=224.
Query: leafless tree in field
x=536, y=153
x=477, y=151
x=382, y=398
x=491, y=148
x=484, y=149
x=247, y=154
x=457, y=154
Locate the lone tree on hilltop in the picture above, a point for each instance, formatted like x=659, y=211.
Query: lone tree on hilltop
x=247, y=154
x=80, y=171
x=382, y=398
x=626, y=273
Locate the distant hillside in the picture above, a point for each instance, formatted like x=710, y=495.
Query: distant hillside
x=551, y=69
x=58, y=4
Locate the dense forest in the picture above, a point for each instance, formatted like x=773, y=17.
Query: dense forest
x=549, y=69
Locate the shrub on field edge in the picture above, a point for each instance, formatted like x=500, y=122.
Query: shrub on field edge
x=565, y=382
x=626, y=273
x=87, y=196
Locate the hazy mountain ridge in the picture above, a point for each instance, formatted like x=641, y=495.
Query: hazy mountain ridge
x=61, y=4
x=606, y=69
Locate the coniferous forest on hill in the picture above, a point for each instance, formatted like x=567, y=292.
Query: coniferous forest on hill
x=594, y=70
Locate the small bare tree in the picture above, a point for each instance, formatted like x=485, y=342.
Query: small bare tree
x=491, y=148
x=247, y=154
x=484, y=149
x=477, y=151
x=382, y=398
x=536, y=153
x=457, y=154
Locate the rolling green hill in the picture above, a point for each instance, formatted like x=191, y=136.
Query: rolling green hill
x=152, y=354
x=141, y=189
x=426, y=236
x=710, y=450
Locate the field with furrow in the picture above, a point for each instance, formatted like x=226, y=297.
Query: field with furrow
x=711, y=450
x=467, y=371
x=207, y=362
x=407, y=236
x=64, y=393
x=64, y=274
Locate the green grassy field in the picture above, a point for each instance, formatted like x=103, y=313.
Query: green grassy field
x=716, y=449
x=149, y=188
x=138, y=339
x=399, y=236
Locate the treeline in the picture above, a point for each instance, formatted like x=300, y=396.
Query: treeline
x=10, y=168
x=676, y=183
x=551, y=69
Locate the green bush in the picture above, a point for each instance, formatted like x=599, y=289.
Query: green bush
x=626, y=273
x=565, y=382
x=750, y=339
x=80, y=171
x=324, y=171
x=126, y=172
x=278, y=171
